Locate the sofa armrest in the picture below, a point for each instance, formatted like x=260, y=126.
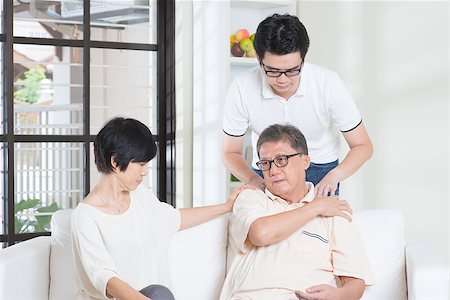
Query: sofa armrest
x=427, y=272
x=24, y=270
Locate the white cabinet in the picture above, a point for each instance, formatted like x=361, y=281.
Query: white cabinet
x=213, y=69
x=248, y=14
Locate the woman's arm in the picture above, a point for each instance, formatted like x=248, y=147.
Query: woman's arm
x=197, y=215
x=116, y=288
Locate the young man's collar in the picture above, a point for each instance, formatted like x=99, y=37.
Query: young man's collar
x=267, y=91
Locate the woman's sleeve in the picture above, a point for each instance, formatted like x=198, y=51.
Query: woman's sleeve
x=93, y=263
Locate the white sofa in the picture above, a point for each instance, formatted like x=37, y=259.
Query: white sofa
x=42, y=268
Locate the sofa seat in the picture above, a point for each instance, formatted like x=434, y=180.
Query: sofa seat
x=42, y=268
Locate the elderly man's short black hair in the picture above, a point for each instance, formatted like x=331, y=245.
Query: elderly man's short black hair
x=126, y=140
x=289, y=133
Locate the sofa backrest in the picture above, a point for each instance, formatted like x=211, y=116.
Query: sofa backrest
x=198, y=257
x=198, y=260
x=383, y=235
x=62, y=268
x=24, y=270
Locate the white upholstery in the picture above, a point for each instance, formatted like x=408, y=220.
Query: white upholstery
x=202, y=254
x=427, y=280
x=24, y=270
x=384, y=241
x=62, y=269
x=198, y=262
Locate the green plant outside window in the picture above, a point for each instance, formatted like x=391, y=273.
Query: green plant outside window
x=36, y=223
x=30, y=86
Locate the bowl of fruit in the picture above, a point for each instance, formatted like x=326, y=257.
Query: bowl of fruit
x=241, y=44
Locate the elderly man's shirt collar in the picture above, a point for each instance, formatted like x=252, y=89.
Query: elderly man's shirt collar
x=307, y=198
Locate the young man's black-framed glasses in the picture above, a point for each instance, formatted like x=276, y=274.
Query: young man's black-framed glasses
x=277, y=73
x=279, y=161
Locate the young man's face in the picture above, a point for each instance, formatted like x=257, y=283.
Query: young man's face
x=287, y=182
x=283, y=85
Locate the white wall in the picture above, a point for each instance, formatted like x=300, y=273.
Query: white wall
x=210, y=84
x=394, y=58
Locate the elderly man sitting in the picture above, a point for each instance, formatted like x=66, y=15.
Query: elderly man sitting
x=286, y=245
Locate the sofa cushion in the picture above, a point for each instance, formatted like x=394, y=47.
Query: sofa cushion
x=62, y=267
x=198, y=260
x=24, y=270
x=382, y=232
x=198, y=257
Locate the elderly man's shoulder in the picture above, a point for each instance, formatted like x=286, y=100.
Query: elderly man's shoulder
x=249, y=195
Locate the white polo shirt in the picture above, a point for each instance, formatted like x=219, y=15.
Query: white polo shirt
x=321, y=104
x=316, y=253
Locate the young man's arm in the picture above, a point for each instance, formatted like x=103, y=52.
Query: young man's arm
x=361, y=150
x=233, y=159
x=351, y=289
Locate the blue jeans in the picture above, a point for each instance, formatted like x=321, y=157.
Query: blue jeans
x=315, y=172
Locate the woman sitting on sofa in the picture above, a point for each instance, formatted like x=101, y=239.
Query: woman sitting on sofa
x=121, y=232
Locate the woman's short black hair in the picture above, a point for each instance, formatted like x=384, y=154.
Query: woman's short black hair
x=280, y=35
x=126, y=140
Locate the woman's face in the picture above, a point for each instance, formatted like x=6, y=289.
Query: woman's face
x=132, y=177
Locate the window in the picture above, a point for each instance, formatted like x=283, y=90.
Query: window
x=66, y=68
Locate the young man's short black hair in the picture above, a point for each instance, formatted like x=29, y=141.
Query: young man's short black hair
x=281, y=34
x=126, y=140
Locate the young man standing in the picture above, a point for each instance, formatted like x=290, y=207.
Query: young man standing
x=286, y=89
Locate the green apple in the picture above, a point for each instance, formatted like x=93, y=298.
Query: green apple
x=252, y=37
x=246, y=44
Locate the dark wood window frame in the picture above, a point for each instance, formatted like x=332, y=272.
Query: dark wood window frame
x=165, y=49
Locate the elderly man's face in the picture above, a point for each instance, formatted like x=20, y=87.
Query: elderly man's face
x=287, y=182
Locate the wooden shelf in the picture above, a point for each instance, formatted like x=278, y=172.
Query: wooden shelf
x=243, y=61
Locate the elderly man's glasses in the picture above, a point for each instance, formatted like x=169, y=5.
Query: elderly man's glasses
x=279, y=161
x=277, y=73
